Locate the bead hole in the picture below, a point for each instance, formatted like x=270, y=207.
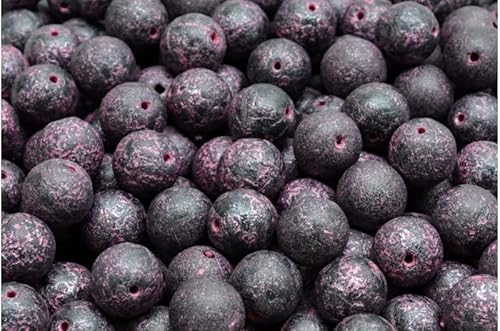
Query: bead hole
x=215, y=225
x=214, y=37
x=434, y=31
x=53, y=79
x=289, y=112
x=153, y=32
x=145, y=105
x=64, y=326
x=54, y=33
x=277, y=65
x=133, y=289
x=321, y=103
x=168, y=157
x=473, y=57
x=360, y=15
x=159, y=88
x=11, y=294
x=409, y=259
x=209, y=254
x=312, y=7
x=460, y=117
x=4, y=175
x=340, y=141
x=71, y=168
x=421, y=130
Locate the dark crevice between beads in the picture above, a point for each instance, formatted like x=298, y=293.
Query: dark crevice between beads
x=159, y=88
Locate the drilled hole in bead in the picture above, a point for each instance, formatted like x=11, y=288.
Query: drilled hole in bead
x=209, y=254
x=289, y=113
x=360, y=15
x=133, y=289
x=421, y=130
x=312, y=7
x=409, y=259
x=214, y=37
x=159, y=88
x=168, y=158
x=340, y=141
x=277, y=65
x=145, y=105
x=321, y=103
x=53, y=79
x=435, y=31
x=71, y=168
x=154, y=32
x=460, y=117
x=11, y=294
x=215, y=225
x=473, y=57
x=64, y=7
x=4, y=175
x=54, y=33
x=64, y=326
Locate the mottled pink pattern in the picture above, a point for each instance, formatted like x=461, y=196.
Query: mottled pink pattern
x=472, y=304
x=192, y=41
x=13, y=63
x=413, y=312
x=409, y=251
x=449, y=274
x=312, y=231
x=359, y=322
x=115, y=217
x=17, y=25
x=240, y=222
x=270, y=285
x=245, y=25
x=251, y=163
x=234, y=78
x=488, y=261
x=359, y=244
x=65, y=282
x=206, y=162
x=69, y=139
x=311, y=24
x=80, y=316
x=207, y=304
x=326, y=143
x=187, y=149
x=101, y=63
x=53, y=43
x=57, y=191
x=197, y=101
x=23, y=308
x=303, y=187
x=350, y=285
x=158, y=78
x=371, y=193
x=477, y=163
x=466, y=218
x=196, y=262
x=349, y=63
x=423, y=151
x=28, y=248
x=127, y=280
x=261, y=111
x=177, y=219
x=44, y=93
x=12, y=181
x=474, y=117
x=140, y=29
x=90, y=9
x=280, y=62
x=362, y=16
x=131, y=107
x=146, y=162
